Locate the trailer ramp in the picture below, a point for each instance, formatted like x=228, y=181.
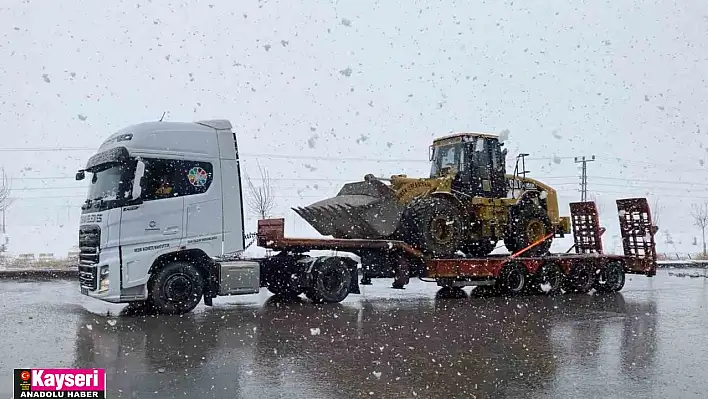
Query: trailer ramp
x=638, y=233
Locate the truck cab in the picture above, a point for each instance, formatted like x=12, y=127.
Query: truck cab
x=164, y=202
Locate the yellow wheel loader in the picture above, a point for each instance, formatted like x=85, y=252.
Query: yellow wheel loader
x=467, y=205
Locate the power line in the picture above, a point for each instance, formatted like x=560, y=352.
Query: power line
x=45, y=149
x=84, y=197
x=325, y=179
x=255, y=155
x=367, y=159
x=266, y=155
x=638, y=189
x=288, y=156
x=629, y=182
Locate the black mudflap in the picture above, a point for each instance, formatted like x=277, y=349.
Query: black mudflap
x=354, y=285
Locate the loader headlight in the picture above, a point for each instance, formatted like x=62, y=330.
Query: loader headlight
x=103, y=281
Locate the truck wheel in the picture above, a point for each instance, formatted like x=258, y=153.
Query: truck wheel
x=528, y=223
x=513, y=279
x=611, y=278
x=284, y=284
x=331, y=279
x=581, y=279
x=283, y=288
x=177, y=288
x=549, y=279
x=435, y=225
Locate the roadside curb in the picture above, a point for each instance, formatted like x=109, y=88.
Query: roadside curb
x=38, y=274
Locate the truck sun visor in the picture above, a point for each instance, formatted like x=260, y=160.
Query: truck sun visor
x=114, y=155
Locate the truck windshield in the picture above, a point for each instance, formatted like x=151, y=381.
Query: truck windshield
x=109, y=182
x=448, y=156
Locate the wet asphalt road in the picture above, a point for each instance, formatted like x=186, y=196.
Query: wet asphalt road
x=650, y=341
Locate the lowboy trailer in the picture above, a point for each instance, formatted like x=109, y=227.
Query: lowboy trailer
x=587, y=268
x=163, y=225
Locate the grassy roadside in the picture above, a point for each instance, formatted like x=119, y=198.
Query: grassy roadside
x=39, y=270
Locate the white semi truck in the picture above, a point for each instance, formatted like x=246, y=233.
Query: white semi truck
x=163, y=224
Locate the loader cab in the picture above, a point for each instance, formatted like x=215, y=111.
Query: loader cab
x=476, y=161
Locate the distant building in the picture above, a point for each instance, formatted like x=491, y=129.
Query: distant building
x=25, y=257
x=46, y=257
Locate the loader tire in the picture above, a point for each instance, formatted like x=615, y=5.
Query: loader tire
x=435, y=226
x=478, y=249
x=528, y=223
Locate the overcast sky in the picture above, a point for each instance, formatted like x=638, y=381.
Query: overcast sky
x=367, y=80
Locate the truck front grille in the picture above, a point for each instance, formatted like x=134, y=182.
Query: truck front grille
x=87, y=276
x=89, y=244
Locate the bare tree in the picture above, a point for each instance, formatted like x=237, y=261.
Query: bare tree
x=260, y=199
x=700, y=220
x=5, y=202
x=656, y=211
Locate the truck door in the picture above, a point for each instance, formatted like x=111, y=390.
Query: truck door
x=156, y=224
x=498, y=169
x=202, y=206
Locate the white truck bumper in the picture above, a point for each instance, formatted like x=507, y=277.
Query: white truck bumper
x=102, y=281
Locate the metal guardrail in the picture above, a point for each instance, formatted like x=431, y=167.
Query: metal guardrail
x=688, y=263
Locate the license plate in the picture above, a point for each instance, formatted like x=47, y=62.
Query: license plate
x=84, y=291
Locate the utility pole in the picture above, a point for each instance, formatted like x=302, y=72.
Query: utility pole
x=3, y=204
x=2, y=171
x=584, y=177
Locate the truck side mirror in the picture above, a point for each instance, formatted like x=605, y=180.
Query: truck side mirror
x=80, y=175
x=430, y=153
x=138, y=180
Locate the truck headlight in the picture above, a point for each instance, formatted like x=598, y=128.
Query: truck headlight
x=103, y=280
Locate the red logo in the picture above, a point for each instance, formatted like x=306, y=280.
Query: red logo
x=25, y=375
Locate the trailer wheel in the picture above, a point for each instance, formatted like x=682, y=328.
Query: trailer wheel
x=611, y=278
x=549, y=279
x=176, y=289
x=581, y=279
x=331, y=280
x=513, y=279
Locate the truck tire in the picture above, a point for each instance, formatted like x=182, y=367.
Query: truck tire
x=513, y=279
x=282, y=287
x=611, y=278
x=528, y=223
x=330, y=281
x=549, y=279
x=435, y=226
x=281, y=274
x=176, y=288
x=581, y=279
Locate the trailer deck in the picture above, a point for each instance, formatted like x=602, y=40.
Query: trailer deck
x=589, y=267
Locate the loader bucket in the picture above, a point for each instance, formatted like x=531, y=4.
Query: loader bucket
x=367, y=209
